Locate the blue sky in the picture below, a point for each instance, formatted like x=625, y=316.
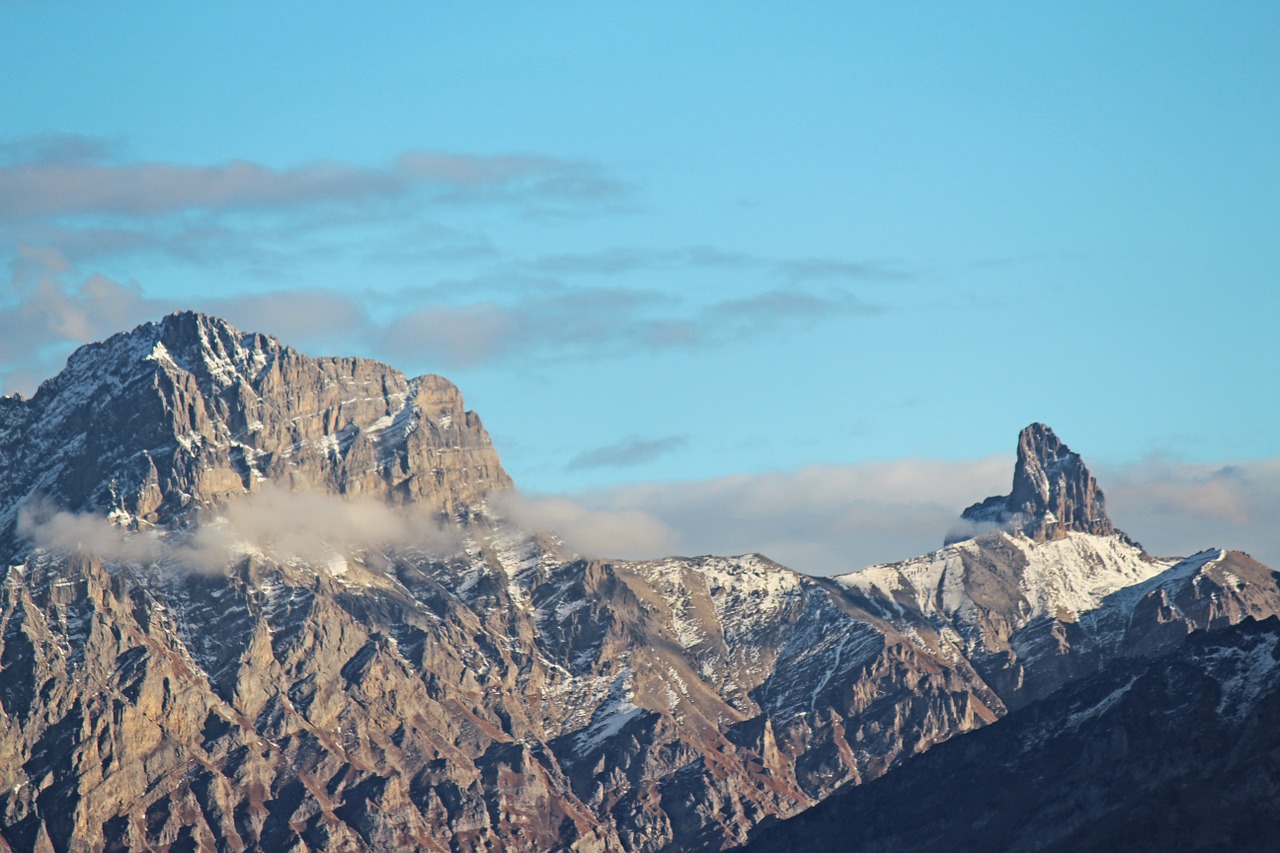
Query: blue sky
x=662, y=245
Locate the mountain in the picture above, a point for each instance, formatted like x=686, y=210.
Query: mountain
x=1033, y=602
x=153, y=425
x=259, y=600
x=1176, y=752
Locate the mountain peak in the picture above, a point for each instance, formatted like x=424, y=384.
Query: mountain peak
x=186, y=412
x=1053, y=494
x=191, y=329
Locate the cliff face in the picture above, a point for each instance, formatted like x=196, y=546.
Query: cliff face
x=1053, y=494
x=175, y=417
x=508, y=698
x=493, y=692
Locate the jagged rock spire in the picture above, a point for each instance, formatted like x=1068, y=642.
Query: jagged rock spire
x=1053, y=493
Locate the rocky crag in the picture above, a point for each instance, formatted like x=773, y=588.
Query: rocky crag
x=1053, y=495
x=497, y=693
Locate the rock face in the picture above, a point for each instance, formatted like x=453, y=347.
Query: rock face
x=1053, y=494
x=153, y=425
x=500, y=693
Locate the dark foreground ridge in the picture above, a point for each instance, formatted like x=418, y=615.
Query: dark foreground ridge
x=1179, y=752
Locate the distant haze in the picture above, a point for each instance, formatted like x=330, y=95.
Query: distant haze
x=832, y=519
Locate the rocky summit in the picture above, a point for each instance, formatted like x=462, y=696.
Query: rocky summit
x=255, y=600
x=1053, y=494
x=153, y=425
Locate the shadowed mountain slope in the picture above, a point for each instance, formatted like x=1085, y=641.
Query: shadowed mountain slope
x=1176, y=752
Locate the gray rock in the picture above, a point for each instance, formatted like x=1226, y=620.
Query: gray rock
x=1053, y=494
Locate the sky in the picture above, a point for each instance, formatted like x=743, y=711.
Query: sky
x=731, y=276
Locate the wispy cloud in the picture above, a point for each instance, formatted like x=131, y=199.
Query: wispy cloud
x=71, y=176
x=50, y=310
x=1176, y=507
x=622, y=260
x=836, y=268
x=72, y=204
x=821, y=519
x=631, y=451
x=622, y=533
x=319, y=322
x=772, y=307
x=288, y=525
x=57, y=148
x=626, y=259
x=78, y=195
x=558, y=322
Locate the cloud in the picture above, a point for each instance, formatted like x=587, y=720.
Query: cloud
x=548, y=321
x=820, y=519
x=50, y=309
x=827, y=268
x=57, y=148
x=621, y=260
x=69, y=203
x=631, y=259
x=633, y=451
x=318, y=322
x=46, y=315
x=56, y=530
x=459, y=336
x=1175, y=507
x=552, y=321
x=65, y=180
x=76, y=195
x=431, y=243
x=829, y=519
x=772, y=307
x=622, y=533
x=313, y=527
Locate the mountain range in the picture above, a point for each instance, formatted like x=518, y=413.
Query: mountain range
x=253, y=599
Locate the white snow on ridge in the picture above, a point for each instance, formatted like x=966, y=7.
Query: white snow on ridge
x=1071, y=575
x=1101, y=706
x=1076, y=573
x=745, y=591
x=941, y=572
x=609, y=719
x=1256, y=670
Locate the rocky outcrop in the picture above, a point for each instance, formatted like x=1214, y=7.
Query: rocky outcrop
x=1053, y=494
